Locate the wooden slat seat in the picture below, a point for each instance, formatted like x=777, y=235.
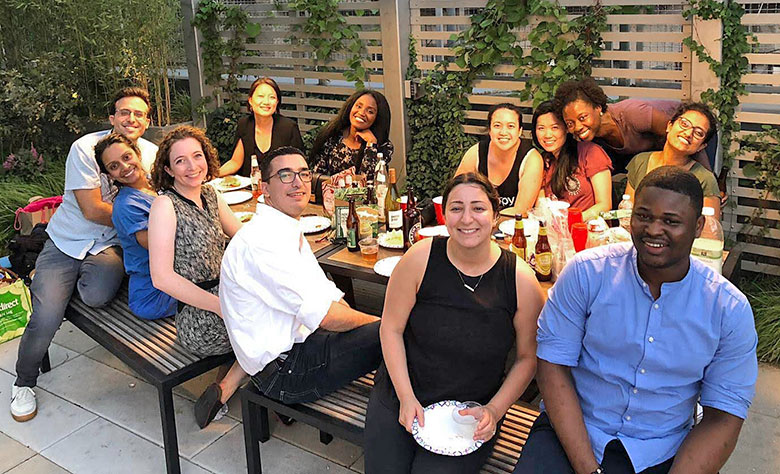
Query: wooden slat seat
x=151, y=349
x=343, y=414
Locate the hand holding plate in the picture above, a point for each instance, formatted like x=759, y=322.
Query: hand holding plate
x=410, y=409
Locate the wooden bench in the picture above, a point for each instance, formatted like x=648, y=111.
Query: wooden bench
x=149, y=348
x=343, y=414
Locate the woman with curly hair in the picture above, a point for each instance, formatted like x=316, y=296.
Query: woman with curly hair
x=623, y=129
x=189, y=224
x=355, y=136
x=575, y=172
x=263, y=130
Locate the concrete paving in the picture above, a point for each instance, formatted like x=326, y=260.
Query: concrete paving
x=97, y=416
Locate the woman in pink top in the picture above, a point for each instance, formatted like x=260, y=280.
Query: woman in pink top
x=623, y=129
x=575, y=172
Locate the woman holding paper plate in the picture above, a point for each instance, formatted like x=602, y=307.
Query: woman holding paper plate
x=454, y=308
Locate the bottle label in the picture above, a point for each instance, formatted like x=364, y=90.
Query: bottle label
x=544, y=263
x=414, y=231
x=518, y=251
x=395, y=219
x=351, y=238
x=340, y=219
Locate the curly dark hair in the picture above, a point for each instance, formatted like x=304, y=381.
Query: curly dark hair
x=568, y=159
x=107, y=141
x=477, y=179
x=703, y=109
x=160, y=178
x=380, y=128
x=584, y=89
x=270, y=82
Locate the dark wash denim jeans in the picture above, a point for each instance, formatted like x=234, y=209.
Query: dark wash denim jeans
x=323, y=363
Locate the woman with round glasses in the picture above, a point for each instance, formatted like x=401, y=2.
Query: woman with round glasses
x=622, y=129
x=355, y=137
x=687, y=132
x=263, y=130
x=189, y=224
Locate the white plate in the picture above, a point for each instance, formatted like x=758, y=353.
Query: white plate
x=385, y=266
x=244, y=216
x=236, y=197
x=383, y=242
x=530, y=227
x=314, y=224
x=219, y=184
x=441, y=434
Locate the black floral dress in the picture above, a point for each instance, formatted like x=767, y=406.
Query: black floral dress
x=199, y=246
x=336, y=156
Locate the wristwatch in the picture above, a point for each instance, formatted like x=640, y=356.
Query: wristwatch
x=599, y=470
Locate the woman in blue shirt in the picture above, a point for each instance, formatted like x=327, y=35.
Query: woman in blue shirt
x=119, y=158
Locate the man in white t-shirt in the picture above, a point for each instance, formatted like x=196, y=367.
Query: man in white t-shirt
x=83, y=250
x=288, y=324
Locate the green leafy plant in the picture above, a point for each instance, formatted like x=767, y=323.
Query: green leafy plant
x=766, y=167
x=26, y=164
x=764, y=296
x=735, y=44
x=328, y=32
x=221, y=130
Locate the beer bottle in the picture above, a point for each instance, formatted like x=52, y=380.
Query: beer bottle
x=519, y=244
x=543, y=253
x=412, y=220
x=254, y=176
x=393, y=215
x=353, y=227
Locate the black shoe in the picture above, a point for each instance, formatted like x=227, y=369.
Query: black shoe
x=286, y=420
x=208, y=405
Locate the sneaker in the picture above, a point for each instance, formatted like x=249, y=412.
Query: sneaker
x=23, y=404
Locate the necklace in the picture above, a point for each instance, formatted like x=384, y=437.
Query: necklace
x=468, y=287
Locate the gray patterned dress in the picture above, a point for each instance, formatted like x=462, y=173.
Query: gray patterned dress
x=199, y=246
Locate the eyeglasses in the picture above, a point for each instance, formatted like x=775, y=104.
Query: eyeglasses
x=698, y=132
x=288, y=176
x=125, y=113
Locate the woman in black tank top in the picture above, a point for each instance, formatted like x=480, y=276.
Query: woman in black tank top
x=511, y=164
x=451, y=316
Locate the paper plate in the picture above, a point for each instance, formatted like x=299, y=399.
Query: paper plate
x=237, y=197
x=230, y=183
x=385, y=266
x=384, y=240
x=441, y=434
x=530, y=227
x=244, y=216
x=314, y=224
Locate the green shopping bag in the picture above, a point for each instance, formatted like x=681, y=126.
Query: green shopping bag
x=15, y=307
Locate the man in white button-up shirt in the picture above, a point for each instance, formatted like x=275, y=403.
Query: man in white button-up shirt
x=288, y=323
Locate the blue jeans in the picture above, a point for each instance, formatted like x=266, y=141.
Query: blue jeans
x=97, y=278
x=323, y=363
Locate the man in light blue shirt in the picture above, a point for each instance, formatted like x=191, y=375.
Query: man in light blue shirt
x=631, y=337
x=83, y=249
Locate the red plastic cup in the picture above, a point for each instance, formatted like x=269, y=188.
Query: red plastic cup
x=403, y=203
x=437, y=207
x=575, y=216
x=579, y=235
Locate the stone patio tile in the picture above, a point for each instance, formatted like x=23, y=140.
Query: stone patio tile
x=56, y=419
x=308, y=438
x=37, y=465
x=103, y=446
x=14, y=453
x=758, y=447
x=71, y=337
x=58, y=355
x=360, y=465
x=102, y=355
x=131, y=403
x=227, y=455
x=767, y=399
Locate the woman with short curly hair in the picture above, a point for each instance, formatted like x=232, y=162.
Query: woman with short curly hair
x=189, y=224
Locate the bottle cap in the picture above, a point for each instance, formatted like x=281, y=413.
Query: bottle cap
x=626, y=197
x=391, y=175
x=707, y=211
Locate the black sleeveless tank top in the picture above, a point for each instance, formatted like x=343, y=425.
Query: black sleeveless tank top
x=457, y=341
x=507, y=190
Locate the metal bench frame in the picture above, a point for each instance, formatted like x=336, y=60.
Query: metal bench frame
x=149, y=347
x=342, y=414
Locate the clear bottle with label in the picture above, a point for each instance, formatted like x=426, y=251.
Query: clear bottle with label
x=393, y=214
x=381, y=186
x=254, y=176
x=708, y=248
x=626, y=206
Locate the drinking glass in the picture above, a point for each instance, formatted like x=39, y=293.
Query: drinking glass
x=369, y=249
x=466, y=425
x=579, y=236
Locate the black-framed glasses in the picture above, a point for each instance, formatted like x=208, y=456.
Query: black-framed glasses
x=288, y=176
x=698, y=132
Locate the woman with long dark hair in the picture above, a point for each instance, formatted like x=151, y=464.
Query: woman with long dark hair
x=575, y=172
x=263, y=130
x=510, y=162
x=355, y=137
